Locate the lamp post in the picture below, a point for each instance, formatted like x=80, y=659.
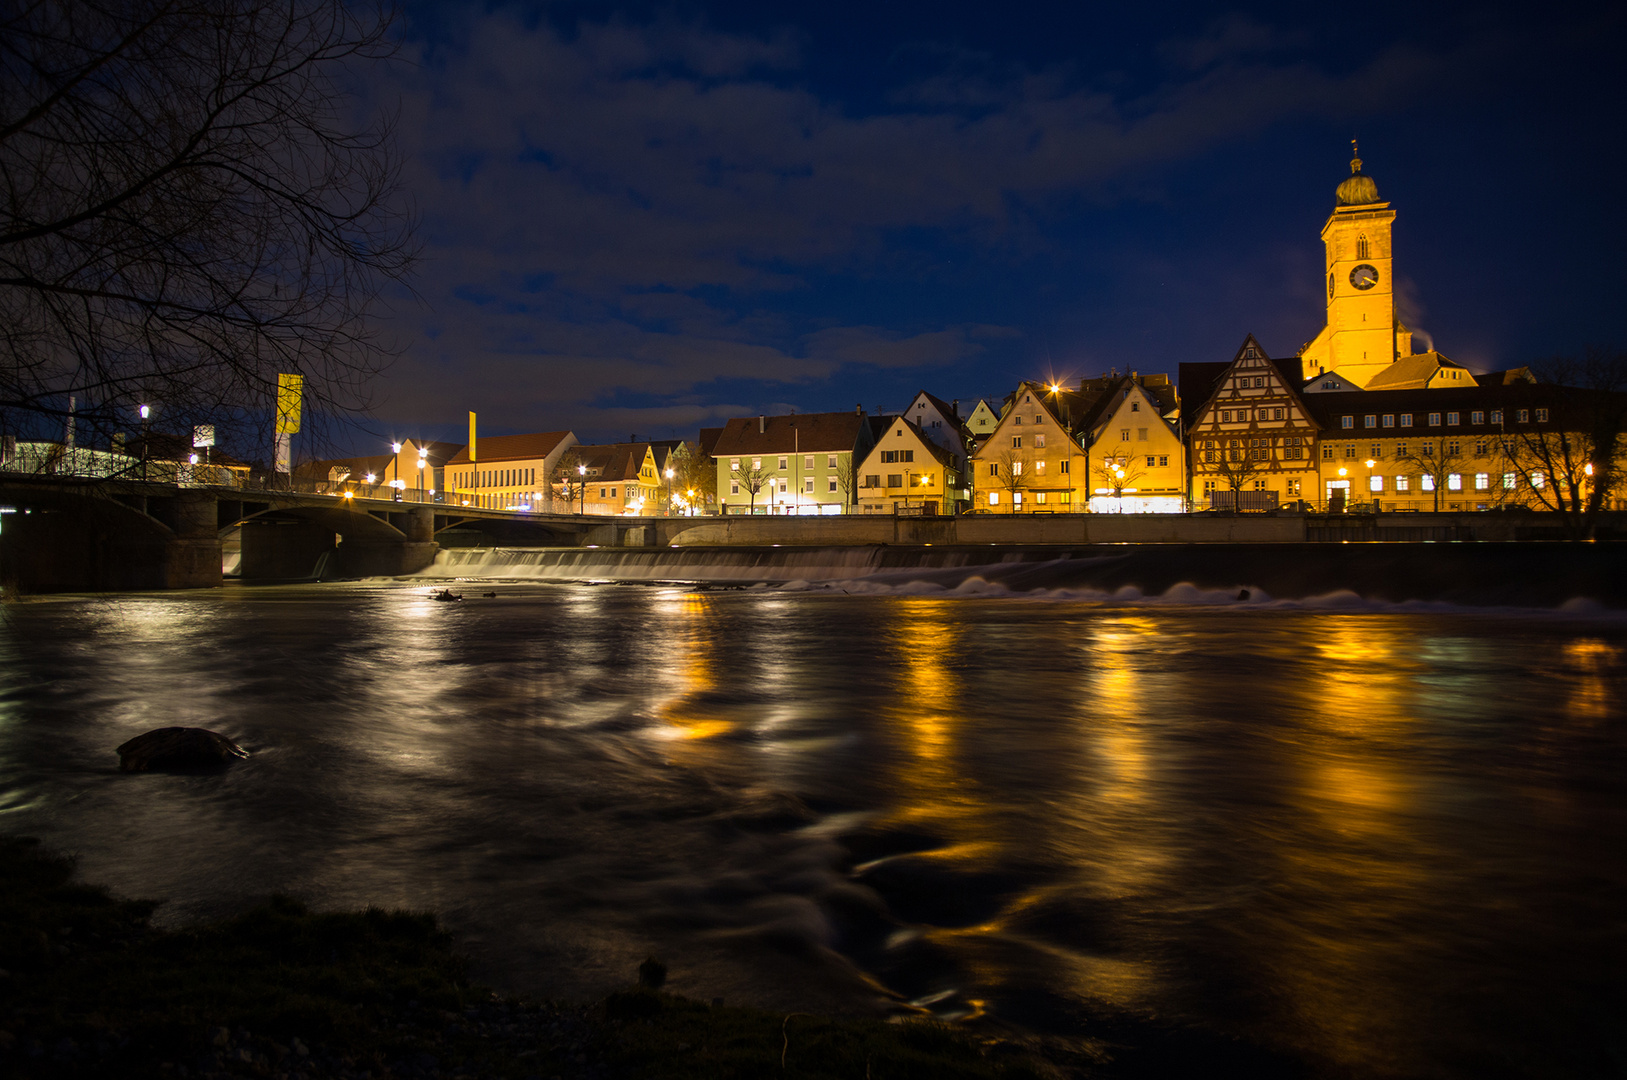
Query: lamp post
x=145, y=412
x=423, y=460
x=582, y=484
x=395, y=464
x=1370, y=464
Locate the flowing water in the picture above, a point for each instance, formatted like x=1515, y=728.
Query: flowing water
x=1387, y=840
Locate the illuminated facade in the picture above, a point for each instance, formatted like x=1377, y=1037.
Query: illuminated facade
x=907, y=472
x=615, y=479
x=1252, y=443
x=1030, y=463
x=1135, y=462
x=508, y=472
x=796, y=464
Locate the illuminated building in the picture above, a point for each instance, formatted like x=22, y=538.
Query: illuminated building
x=797, y=464
x=1252, y=442
x=1135, y=461
x=619, y=479
x=907, y=472
x=1031, y=462
x=509, y=472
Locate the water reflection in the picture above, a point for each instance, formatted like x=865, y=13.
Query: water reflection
x=1360, y=836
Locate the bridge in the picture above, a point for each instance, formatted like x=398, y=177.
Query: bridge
x=63, y=533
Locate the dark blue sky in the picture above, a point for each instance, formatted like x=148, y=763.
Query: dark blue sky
x=645, y=218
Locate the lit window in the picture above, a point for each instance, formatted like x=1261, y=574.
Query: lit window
x=1454, y=481
x=1016, y=468
x=994, y=498
x=1508, y=481
x=1402, y=483
x=1426, y=482
x=1537, y=479
x=1482, y=481
x=1375, y=484
x=1039, y=467
x=1039, y=497
x=1039, y=440
x=756, y=463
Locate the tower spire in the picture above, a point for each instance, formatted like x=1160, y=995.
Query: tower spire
x=1355, y=158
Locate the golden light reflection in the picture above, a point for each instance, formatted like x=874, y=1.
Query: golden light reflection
x=692, y=650
x=1591, y=663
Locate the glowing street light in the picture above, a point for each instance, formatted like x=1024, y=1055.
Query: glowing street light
x=395, y=463
x=582, y=505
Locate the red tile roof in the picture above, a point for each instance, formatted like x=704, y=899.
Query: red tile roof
x=807, y=433
x=492, y=448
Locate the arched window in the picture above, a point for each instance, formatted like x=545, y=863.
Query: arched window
x=1361, y=246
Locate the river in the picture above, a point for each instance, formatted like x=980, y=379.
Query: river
x=1385, y=839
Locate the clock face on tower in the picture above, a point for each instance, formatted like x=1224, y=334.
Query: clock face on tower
x=1364, y=276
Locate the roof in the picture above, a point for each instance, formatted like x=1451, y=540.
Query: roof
x=796, y=433
x=439, y=452
x=708, y=439
x=939, y=454
x=1412, y=372
x=945, y=409
x=1198, y=383
x=613, y=461
x=377, y=464
x=1327, y=408
x=491, y=448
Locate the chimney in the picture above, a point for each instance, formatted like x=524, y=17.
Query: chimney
x=762, y=424
x=632, y=437
x=858, y=410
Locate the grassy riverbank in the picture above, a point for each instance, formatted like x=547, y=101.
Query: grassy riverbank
x=90, y=989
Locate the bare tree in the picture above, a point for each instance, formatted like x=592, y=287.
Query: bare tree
x=696, y=476
x=754, y=480
x=1573, y=459
x=1236, y=466
x=569, y=477
x=1436, y=459
x=188, y=208
x=1011, y=466
x=1117, y=470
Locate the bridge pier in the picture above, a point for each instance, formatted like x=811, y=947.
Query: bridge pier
x=392, y=558
x=192, y=558
x=283, y=550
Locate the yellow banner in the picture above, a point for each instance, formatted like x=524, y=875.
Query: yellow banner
x=289, y=390
x=471, y=436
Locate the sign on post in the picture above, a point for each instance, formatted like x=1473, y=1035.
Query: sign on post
x=203, y=435
x=289, y=390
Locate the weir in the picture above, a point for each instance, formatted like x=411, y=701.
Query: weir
x=1538, y=574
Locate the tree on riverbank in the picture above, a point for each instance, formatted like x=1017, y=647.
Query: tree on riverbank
x=188, y=208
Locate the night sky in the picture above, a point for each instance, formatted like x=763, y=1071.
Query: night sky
x=646, y=218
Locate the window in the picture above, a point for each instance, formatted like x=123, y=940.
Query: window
x=1151, y=461
x=1039, y=497
x=1361, y=246
x=1537, y=479
x=1259, y=485
x=1016, y=442
x=994, y=469
x=889, y=456
x=1293, y=487
x=756, y=463
x=1406, y=419
x=1497, y=416
x=1389, y=419
x=1542, y=416
x=1482, y=481
x=909, y=455
x=1141, y=434
x=1350, y=451
x=1454, y=482
x=872, y=480
x=1426, y=482
x=1065, y=498
x=807, y=485
x=1375, y=484
x=1039, y=440
x=1039, y=418
x=1259, y=380
x=895, y=479
x=1327, y=453
x=1016, y=499
x=783, y=465
x=1016, y=420
x=1208, y=486
x=1124, y=434
x=1163, y=461
x=1400, y=449
x=1434, y=419
x=1429, y=449
x=734, y=488
x=1276, y=414
x=1016, y=468
x=1454, y=449
x=783, y=487
x=1477, y=417
x=830, y=462
x=994, y=498
x=1039, y=466
x=1065, y=464
x=830, y=485
x=1402, y=483
x=1523, y=416
x=807, y=462
x=1347, y=422
x=1452, y=419
x=1225, y=416
x=601, y=493
x=1135, y=406
x=1480, y=448
x=1369, y=421
x=1377, y=451
x=1508, y=481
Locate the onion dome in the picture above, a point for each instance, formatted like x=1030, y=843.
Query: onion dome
x=1358, y=188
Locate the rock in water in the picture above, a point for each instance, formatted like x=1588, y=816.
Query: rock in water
x=179, y=749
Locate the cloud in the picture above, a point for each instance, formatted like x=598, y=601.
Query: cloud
x=649, y=207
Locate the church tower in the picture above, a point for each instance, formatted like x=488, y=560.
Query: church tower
x=1362, y=336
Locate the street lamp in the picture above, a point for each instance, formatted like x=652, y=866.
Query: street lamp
x=145, y=412
x=423, y=454
x=582, y=484
x=395, y=463
x=1370, y=464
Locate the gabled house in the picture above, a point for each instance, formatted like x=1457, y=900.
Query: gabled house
x=1030, y=462
x=908, y=472
x=1422, y=371
x=1251, y=443
x=615, y=479
x=981, y=421
x=939, y=421
x=508, y=471
x=1135, y=457
x=795, y=464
